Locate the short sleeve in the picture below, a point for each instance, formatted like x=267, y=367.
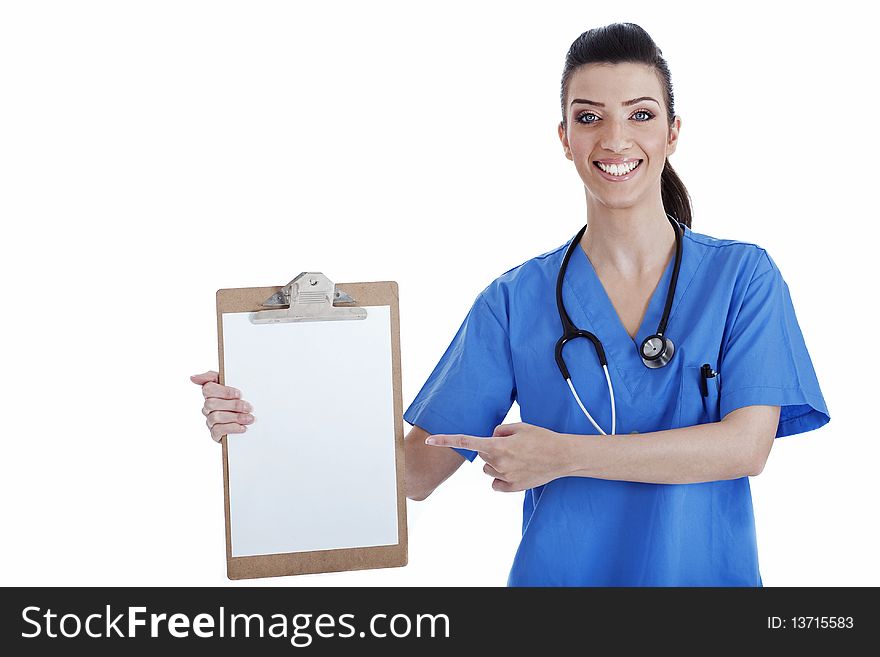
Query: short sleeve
x=766, y=362
x=472, y=388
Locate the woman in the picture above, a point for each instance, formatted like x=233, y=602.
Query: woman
x=637, y=441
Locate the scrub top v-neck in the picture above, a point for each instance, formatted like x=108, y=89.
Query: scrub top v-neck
x=732, y=309
x=667, y=272
x=586, y=287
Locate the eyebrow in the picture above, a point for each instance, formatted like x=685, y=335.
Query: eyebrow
x=625, y=103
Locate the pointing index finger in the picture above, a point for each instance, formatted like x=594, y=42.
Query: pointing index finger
x=461, y=441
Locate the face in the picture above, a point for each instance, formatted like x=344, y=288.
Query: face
x=605, y=126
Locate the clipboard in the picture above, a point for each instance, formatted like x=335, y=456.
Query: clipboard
x=294, y=532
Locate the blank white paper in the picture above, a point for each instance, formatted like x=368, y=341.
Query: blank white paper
x=316, y=470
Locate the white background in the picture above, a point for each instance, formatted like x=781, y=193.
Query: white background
x=153, y=152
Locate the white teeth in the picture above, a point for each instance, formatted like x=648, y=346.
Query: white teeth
x=618, y=169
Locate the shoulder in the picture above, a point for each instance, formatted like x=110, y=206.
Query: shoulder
x=534, y=274
x=731, y=256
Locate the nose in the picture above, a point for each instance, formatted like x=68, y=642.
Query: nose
x=614, y=137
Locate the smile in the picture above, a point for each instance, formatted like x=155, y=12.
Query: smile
x=618, y=170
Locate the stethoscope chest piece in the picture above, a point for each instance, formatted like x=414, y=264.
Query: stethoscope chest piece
x=657, y=351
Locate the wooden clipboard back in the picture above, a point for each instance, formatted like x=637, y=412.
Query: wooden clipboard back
x=379, y=293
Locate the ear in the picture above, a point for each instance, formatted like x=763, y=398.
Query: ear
x=672, y=140
x=564, y=139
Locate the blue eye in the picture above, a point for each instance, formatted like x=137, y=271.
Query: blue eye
x=583, y=114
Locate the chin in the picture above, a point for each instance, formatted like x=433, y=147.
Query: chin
x=615, y=201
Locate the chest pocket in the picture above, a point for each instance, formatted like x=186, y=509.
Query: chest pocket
x=699, y=403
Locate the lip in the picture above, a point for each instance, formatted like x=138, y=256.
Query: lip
x=609, y=177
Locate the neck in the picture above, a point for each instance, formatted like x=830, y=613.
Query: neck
x=628, y=242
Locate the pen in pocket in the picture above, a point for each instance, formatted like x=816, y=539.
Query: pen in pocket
x=706, y=373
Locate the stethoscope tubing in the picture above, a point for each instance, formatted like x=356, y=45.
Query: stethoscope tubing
x=571, y=332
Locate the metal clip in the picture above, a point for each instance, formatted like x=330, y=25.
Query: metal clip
x=309, y=297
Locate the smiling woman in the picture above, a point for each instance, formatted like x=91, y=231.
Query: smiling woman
x=664, y=499
x=692, y=356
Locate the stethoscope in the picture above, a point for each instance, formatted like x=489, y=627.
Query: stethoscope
x=656, y=350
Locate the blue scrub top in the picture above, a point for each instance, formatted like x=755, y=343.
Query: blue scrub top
x=732, y=309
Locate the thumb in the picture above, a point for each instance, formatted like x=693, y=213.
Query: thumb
x=206, y=377
x=505, y=430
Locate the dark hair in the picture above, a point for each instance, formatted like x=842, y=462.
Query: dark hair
x=627, y=42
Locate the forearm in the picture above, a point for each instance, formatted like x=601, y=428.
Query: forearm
x=705, y=452
x=426, y=468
